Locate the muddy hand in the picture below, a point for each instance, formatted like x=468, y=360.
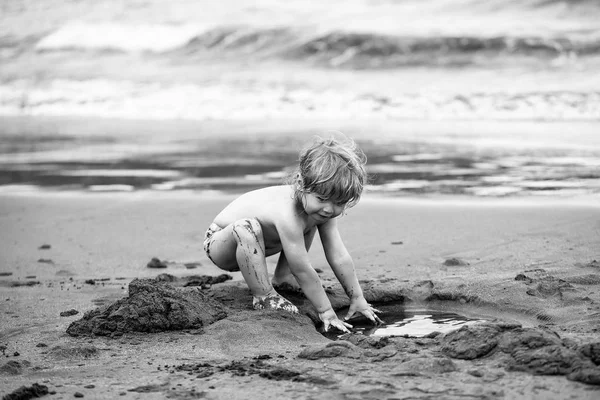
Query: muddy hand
x=361, y=306
x=330, y=318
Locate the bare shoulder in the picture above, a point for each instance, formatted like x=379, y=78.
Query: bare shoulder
x=268, y=204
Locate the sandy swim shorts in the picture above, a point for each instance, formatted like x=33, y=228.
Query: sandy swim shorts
x=208, y=236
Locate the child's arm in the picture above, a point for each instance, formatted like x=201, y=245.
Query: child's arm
x=295, y=252
x=343, y=267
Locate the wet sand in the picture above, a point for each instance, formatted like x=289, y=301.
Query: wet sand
x=517, y=261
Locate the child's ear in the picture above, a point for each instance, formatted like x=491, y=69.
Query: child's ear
x=299, y=183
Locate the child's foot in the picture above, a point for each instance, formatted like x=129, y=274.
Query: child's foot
x=286, y=284
x=273, y=301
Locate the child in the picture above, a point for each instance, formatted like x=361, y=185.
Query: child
x=283, y=219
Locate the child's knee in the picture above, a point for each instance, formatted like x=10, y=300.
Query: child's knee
x=247, y=230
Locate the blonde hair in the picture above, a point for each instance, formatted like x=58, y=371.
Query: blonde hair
x=331, y=168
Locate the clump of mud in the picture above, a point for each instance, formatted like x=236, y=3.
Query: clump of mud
x=152, y=306
x=14, y=367
x=532, y=350
x=27, y=392
x=248, y=367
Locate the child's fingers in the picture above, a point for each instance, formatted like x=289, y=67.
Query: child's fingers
x=349, y=315
x=342, y=326
x=373, y=317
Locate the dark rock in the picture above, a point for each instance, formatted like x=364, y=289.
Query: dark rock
x=156, y=263
x=45, y=261
x=475, y=372
x=523, y=277
x=455, y=262
x=44, y=247
x=27, y=392
x=78, y=394
x=69, y=313
x=151, y=306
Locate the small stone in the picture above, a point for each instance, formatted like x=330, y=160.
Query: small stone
x=475, y=372
x=77, y=394
x=69, y=313
x=156, y=263
x=45, y=247
x=455, y=262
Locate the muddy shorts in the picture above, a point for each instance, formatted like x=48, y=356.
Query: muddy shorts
x=208, y=236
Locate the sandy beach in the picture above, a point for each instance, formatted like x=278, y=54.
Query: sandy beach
x=528, y=262
x=125, y=127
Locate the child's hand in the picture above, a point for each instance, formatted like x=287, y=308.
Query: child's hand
x=360, y=305
x=330, y=318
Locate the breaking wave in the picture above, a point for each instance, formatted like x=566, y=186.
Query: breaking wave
x=335, y=48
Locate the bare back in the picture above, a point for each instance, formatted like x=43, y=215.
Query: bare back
x=273, y=206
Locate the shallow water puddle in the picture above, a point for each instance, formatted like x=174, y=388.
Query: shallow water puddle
x=411, y=323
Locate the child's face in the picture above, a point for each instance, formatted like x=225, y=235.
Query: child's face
x=321, y=209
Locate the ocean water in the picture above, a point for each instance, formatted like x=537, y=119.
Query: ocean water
x=494, y=98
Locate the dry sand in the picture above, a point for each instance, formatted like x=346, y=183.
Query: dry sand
x=401, y=248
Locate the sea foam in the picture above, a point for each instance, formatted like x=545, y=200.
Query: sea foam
x=124, y=37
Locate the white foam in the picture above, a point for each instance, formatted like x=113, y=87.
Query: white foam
x=495, y=191
x=155, y=100
x=125, y=37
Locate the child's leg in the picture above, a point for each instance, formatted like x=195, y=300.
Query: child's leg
x=241, y=245
x=282, y=276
